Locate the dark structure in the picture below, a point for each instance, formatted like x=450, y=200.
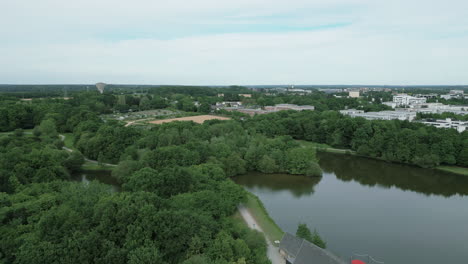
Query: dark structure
x=300, y=251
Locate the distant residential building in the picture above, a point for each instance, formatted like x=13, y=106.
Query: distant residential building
x=460, y=126
x=220, y=95
x=391, y=104
x=298, y=91
x=458, y=92
x=246, y=95
x=330, y=91
x=453, y=94
x=279, y=107
x=407, y=100
x=437, y=108
x=249, y=111
x=229, y=106
x=221, y=105
x=351, y=112
x=427, y=96
x=296, y=250
x=353, y=94
x=382, y=115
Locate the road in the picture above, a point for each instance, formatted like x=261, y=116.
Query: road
x=272, y=251
x=62, y=137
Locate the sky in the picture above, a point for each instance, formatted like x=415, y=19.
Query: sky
x=235, y=42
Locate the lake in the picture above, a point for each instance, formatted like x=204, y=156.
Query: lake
x=396, y=213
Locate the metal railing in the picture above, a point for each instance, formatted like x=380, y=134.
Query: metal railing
x=365, y=257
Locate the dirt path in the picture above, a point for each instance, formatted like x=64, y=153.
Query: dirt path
x=272, y=251
x=62, y=137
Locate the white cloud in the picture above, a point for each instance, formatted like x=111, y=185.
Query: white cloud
x=388, y=42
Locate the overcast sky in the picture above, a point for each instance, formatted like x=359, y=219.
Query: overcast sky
x=234, y=42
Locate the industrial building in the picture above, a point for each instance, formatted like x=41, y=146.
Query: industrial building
x=279, y=107
x=383, y=115
x=353, y=94
x=407, y=100
x=258, y=111
x=460, y=126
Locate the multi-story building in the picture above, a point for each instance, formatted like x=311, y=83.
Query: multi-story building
x=407, y=100
x=279, y=107
x=353, y=94
x=266, y=110
x=427, y=96
x=460, y=126
x=383, y=115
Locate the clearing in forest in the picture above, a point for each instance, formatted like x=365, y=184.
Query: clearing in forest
x=197, y=119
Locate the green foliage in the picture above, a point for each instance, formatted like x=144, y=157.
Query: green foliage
x=302, y=161
x=268, y=165
x=427, y=161
x=165, y=183
x=318, y=241
x=74, y=162
x=304, y=232
x=396, y=141
x=176, y=197
x=48, y=128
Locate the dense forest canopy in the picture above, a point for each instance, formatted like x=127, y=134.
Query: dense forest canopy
x=177, y=201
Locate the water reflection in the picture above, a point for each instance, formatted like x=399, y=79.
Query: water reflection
x=297, y=185
x=102, y=176
x=377, y=173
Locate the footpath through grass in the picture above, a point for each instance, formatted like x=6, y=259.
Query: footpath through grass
x=68, y=141
x=454, y=169
x=324, y=147
x=258, y=211
x=91, y=166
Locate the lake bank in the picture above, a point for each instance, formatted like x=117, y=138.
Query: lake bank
x=366, y=206
x=326, y=148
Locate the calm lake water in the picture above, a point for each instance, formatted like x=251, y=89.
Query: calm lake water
x=396, y=213
x=102, y=176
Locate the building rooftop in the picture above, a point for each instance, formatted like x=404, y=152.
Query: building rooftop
x=304, y=252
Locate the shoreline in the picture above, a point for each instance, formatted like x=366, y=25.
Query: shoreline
x=324, y=148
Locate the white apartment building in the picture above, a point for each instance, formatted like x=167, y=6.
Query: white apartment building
x=351, y=111
x=279, y=107
x=407, y=100
x=437, y=108
x=460, y=126
x=383, y=115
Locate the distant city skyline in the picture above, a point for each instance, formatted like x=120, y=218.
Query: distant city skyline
x=243, y=42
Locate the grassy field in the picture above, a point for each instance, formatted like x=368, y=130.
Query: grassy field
x=68, y=141
x=258, y=211
x=95, y=167
x=324, y=147
x=454, y=169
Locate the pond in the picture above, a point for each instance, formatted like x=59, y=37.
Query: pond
x=102, y=176
x=396, y=213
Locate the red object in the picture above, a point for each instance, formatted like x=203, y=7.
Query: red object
x=357, y=261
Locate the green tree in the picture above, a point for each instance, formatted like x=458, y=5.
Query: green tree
x=48, y=128
x=304, y=232
x=268, y=165
x=74, y=162
x=318, y=241
x=145, y=255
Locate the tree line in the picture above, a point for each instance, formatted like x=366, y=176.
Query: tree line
x=393, y=140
